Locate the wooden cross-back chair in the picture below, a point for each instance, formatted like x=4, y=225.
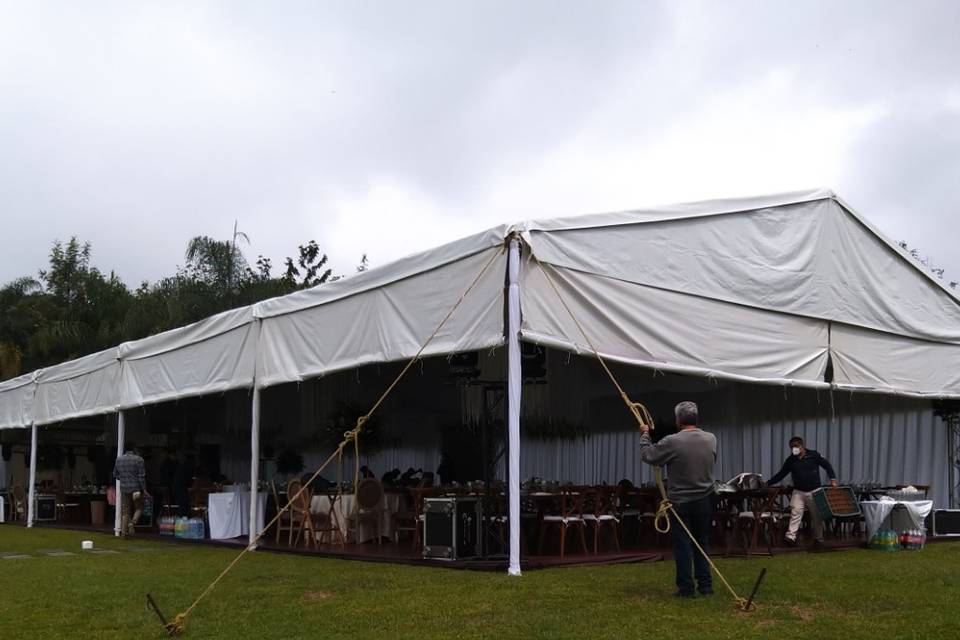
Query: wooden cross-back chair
x=496, y=515
x=566, y=514
x=283, y=521
x=599, y=511
x=410, y=517
x=299, y=510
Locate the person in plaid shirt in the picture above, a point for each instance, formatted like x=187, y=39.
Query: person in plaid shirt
x=130, y=472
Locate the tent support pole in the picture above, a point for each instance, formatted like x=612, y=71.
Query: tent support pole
x=254, y=462
x=31, y=492
x=118, y=498
x=514, y=381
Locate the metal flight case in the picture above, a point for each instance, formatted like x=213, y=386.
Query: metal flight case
x=451, y=527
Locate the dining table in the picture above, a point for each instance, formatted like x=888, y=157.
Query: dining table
x=899, y=515
x=228, y=514
x=343, y=506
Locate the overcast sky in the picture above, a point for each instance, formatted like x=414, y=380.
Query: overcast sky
x=389, y=127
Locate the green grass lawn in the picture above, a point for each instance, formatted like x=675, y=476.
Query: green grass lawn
x=851, y=594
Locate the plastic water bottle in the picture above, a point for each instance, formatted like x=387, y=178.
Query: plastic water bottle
x=197, y=528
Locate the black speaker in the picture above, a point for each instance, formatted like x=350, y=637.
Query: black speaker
x=7, y=451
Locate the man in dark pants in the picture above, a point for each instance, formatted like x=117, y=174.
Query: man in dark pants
x=689, y=456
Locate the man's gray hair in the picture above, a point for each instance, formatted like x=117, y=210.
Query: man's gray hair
x=686, y=413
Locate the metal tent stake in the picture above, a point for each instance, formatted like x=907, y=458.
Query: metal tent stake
x=156, y=610
x=756, y=587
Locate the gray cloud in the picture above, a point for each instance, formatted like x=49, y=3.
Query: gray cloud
x=387, y=127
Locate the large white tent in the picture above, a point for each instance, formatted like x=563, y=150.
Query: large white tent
x=776, y=290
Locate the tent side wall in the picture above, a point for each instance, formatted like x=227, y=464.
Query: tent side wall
x=83, y=387
x=210, y=356
x=871, y=438
x=16, y=401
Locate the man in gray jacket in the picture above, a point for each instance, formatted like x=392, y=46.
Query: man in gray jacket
x=689, y=456
x=129, y=471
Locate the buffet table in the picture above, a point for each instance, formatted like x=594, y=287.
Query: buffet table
x=229, y=514
x=879, y=514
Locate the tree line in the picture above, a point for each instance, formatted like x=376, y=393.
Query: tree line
x=71, y=308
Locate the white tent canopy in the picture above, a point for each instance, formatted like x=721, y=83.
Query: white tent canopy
x=386, y=314
x=758, y=289
x=764, y=289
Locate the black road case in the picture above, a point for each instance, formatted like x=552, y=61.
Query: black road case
x=451, y=527
x=943, y=522
x=46, y=508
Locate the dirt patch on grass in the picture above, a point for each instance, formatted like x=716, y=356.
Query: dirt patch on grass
x=313, y=597
x=766, y=623
x=804, y=614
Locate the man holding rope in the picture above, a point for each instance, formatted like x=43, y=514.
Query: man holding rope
x=689, y=456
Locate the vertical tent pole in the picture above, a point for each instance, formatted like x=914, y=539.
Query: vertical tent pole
x=513, y=401
x=117, y=506
x=31, y=492
x=254, y=461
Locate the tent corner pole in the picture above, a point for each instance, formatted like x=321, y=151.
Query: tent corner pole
x=31, y=491
x=513, y=400
x=254, y=465
x=117, y=496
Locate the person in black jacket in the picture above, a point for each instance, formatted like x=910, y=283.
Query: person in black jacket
x=803, y=465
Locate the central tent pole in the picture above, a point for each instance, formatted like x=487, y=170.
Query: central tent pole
x=31, y=492
x=121, y=433
x=254, y=462
x=513, y=400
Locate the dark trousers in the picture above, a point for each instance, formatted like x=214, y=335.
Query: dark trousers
x=698, y=516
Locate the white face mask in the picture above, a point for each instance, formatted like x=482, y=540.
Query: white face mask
x=795, y=451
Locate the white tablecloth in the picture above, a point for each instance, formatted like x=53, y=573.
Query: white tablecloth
x=229, y=513
x=392, y=503
x=879, y=513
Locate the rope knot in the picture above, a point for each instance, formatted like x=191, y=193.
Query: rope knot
x=176, y=626
x=353, y=434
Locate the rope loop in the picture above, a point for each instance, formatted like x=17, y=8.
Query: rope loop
x=663, y=516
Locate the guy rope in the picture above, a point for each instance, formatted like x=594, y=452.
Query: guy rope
x=178, y=624
x=645, y=422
